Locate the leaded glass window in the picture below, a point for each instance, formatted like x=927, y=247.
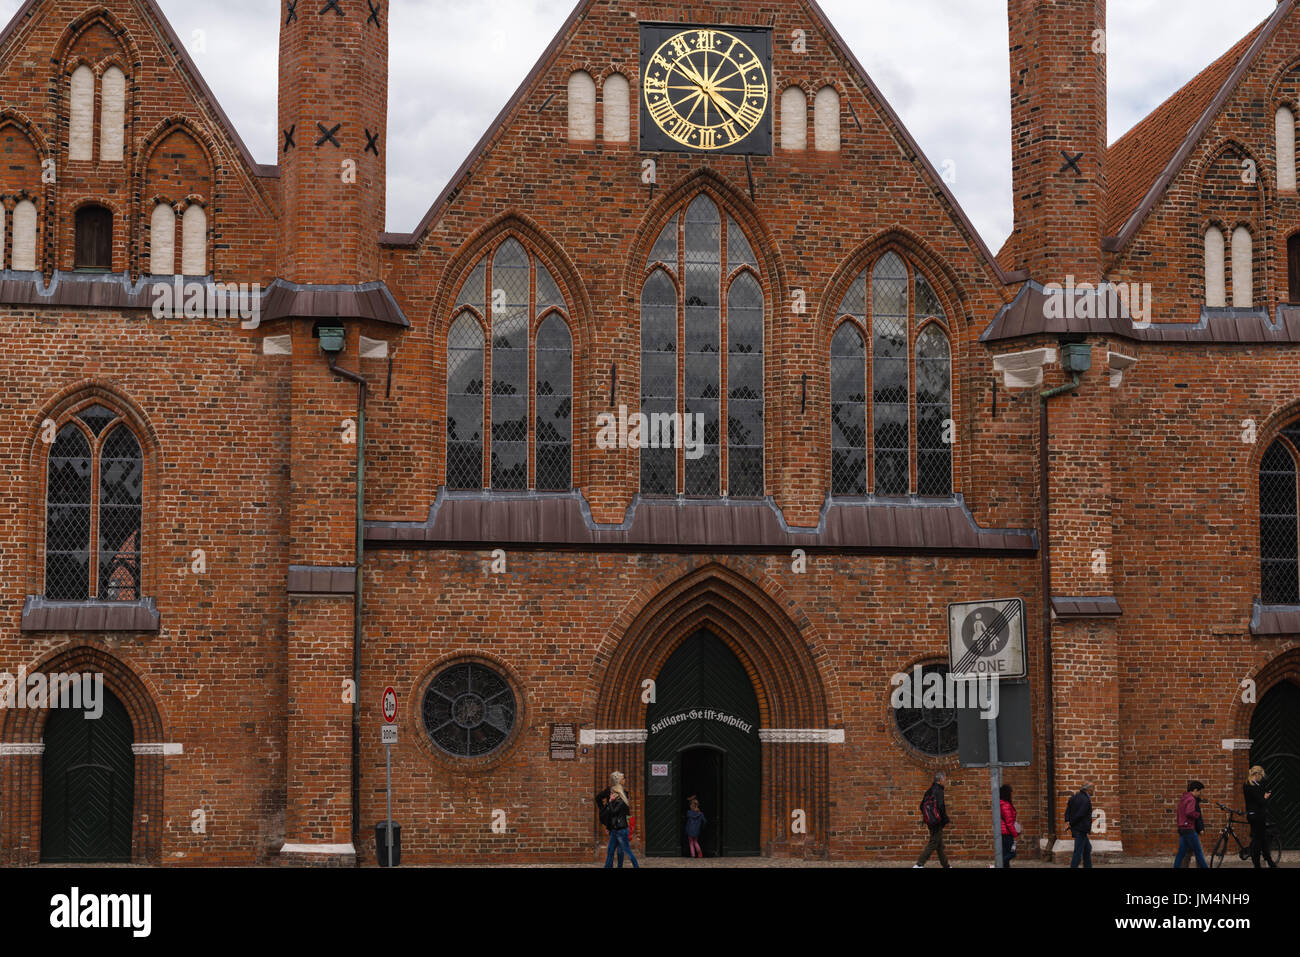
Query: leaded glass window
x=67, y=517
x=465, y=403
x=121, y=488
x=931, y=728
x=659, y=380
x=703, y=384
x=889, y=375
x=510, y=314
x=848, y=412
x=554, y=405
x=719, y=299
x=933, y=413
x=745, y=387
x=94, y=510
x=468, y=710
x=908, y=377
x=1278, y=531
x=530, y=353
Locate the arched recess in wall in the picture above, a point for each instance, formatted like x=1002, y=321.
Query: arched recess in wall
x=826, y=120
x=616, y=104
x=1284, y=140
x=1230, y=195
x=162, y=240
x=22, y=163
x=794, y=118
x=176, y=166
x=22, y=731
x=582, y=107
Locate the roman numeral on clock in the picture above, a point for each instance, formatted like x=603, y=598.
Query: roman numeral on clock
x=661, y=110
x=748, y=116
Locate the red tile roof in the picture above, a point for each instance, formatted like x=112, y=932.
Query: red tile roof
x=1139, y=156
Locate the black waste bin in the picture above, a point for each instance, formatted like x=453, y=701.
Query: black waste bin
x=381, y=843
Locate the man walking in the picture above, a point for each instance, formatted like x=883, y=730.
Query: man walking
x=1189, y=816
x=934, y=813
x=1078, y=815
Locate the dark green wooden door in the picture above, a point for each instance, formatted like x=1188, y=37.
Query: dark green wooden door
x=1275, y=730
x=88, y=783
x=703, y=736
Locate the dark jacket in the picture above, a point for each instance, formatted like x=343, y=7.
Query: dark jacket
x=1078, y=812
x=618, y=813
x=1256, y=805
x=601, y=800
x=937, y=790
x=694, y=823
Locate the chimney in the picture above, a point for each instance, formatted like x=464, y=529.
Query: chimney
x=333, y=140
x=1058, y=137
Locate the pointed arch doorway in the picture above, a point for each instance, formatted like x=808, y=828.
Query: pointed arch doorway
x=1275, y=736
x=702, y=741
x=779, y=660
x=88, y=785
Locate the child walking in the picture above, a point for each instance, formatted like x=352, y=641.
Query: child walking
x=694, y=824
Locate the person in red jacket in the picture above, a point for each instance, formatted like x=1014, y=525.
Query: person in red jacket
x=1010, y=829
x=1189, y=815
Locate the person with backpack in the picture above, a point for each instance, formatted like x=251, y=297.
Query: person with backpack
x=1257, y=816
x=1010, y=826
x=602, y=799
x=1078, y=815
x=615, y=818
x=1189, y=816
x=934, y=814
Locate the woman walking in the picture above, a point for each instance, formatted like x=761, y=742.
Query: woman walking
x=1257, y=816
x=1010, y=828
x=614, y=817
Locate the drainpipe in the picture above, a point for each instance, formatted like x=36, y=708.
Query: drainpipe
x=1073, y=361
x=362, y=388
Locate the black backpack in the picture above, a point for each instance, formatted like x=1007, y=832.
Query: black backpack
x=930, y=809
x=607, y=813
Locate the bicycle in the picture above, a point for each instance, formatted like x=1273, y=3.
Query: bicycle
x=1243, y=850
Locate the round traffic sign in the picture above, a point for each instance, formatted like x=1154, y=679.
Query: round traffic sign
x=390, y=705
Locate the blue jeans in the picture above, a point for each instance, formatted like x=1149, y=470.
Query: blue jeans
x=1189, y=841
x=618, y=841
x=1082, y=849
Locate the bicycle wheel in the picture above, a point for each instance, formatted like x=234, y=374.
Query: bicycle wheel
x=1274, y=846
x=1221, y=848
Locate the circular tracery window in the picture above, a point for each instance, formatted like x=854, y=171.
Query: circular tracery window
x=469, y=710
x=931, y=730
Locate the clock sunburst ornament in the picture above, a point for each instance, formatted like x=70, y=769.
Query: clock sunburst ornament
x=706, y=89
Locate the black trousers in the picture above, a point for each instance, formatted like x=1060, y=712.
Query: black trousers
x=1259, y=842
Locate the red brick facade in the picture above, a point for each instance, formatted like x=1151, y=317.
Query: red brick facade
x=248, y=449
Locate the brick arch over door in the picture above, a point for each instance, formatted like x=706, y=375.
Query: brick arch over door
x=20, y=801
x=787, y=682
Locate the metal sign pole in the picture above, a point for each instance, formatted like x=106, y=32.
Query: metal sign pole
x=388, y=762
x=995, y=779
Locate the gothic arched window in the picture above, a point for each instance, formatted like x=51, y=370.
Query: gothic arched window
x=702, y=288
x=514, y=294
x=908, y=377
x=1278, y=529
x=94, y=498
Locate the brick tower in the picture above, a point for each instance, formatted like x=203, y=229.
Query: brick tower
x=333, y=116
x=1058, y=117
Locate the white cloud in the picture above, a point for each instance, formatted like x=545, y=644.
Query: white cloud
x=942, y=65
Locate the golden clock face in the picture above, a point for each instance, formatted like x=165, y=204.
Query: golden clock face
x=706, y=89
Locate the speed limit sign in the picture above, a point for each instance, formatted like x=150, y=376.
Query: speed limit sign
x=390, y=705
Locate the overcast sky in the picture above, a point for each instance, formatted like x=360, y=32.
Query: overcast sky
x=942, y=64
